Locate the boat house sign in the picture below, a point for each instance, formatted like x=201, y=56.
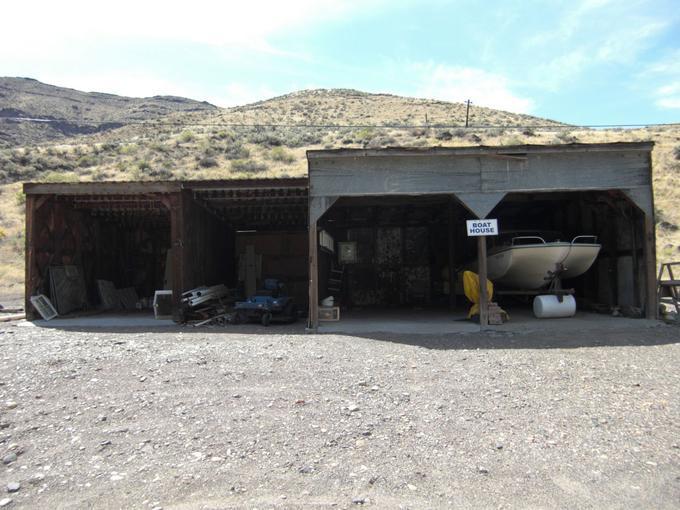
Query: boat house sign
x=482, y=227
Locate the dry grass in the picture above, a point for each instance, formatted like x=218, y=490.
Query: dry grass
x=12, y=242
x=216, y=145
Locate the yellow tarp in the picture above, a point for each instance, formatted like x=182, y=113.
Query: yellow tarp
x=471, y=288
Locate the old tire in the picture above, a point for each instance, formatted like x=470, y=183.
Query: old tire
x=266, y=319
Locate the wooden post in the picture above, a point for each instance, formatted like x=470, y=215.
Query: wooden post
x=637, y=295
x=483, y=296
x=651, y=301
x=313, y=323
x=29, y=259
x=452, y=271
x=251, y=273
x=178, y=255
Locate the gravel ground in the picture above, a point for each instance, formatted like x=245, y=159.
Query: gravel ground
x=188, y=419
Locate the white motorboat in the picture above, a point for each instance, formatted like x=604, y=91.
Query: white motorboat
x=529, y=262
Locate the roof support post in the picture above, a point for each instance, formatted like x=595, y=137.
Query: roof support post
x=644, y=200
x=481, y=204
x=483, y=294
x=652, y=304
x=175, y=203
x=30, y=275
x=313, y=323
x=317, y=207
x=453, y=219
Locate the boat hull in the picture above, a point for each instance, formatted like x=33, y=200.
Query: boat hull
x=526, y=267
x=579, y=259
x=529, y=267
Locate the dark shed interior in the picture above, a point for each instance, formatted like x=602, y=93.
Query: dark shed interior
x=176, y=236
x=269, y=220
x=121, y=239
x=404, y=250
x=406, y=245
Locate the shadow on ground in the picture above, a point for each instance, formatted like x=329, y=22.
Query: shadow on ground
x=551, y=334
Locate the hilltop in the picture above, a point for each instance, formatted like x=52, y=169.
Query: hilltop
x=353, y=107
x=72, y=112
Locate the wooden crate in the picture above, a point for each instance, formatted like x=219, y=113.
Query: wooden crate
x=329, y=313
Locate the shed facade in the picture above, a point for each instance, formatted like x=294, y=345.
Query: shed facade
x=156, y=235
x=404, y=208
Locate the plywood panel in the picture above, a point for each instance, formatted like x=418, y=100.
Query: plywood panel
x=376, y=175
x=389, y=175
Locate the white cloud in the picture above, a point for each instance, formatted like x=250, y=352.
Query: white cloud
x=664, y=71
x=571, y=21
x=669, y=102
x=41, y=26
x=59, y=42
x=624, y=46
x=668, y=96
x=461, y=83
x=670, y=64
x=591, y=33
x=553, y=73
x=237, y=94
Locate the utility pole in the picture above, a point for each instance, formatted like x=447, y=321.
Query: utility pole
x=467, y=112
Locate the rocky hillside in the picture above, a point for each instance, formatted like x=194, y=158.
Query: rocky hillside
x=269, y=139
x=58, y=112
x=356, y=108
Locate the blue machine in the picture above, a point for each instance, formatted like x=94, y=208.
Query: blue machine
x=271, y=303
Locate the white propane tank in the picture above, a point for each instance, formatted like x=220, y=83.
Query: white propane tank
x=549, y=306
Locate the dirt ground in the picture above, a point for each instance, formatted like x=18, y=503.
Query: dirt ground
x=186, y=418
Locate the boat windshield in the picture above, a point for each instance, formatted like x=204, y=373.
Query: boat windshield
x=520, y=237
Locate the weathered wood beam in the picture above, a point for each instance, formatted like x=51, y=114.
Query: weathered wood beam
x=482, y=150
x=642, y=198
x=480, y=204
x=100, y=188
x=318, y=206
x=408, y=175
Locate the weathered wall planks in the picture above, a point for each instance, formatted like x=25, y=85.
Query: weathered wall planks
x=384, y=175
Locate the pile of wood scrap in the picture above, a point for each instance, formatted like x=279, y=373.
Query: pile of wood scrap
x=11, y=314
x=208, y=305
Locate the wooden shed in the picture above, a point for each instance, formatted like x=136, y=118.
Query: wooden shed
x=375, y=228
x=403, y=211
x=156, y=235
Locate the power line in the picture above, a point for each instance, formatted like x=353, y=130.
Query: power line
x=334, y=126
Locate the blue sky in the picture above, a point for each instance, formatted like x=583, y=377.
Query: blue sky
x=578, y=61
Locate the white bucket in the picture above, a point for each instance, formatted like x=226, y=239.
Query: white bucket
x=549, y=306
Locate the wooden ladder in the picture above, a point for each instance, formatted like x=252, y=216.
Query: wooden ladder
x=669, y=289
x=335, y=281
